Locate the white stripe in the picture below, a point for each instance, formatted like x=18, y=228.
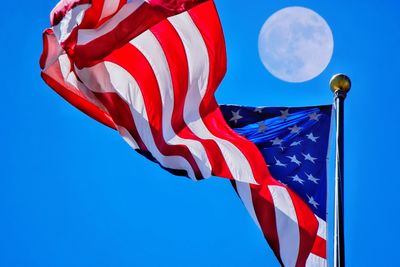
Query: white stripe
x=244, y=192
x=287, y=225
x=65, y=65
x=87, y=35
x=321, y=228
x=109, y=7
x=316, y=261
x=110, y=77
x=71, y=19
x=198, y=61
x=152, y=50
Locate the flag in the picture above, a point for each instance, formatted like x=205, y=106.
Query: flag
x=149, y=69
x=294, y=143
x=151, y=73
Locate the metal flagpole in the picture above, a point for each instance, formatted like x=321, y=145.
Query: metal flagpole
x=340, y=85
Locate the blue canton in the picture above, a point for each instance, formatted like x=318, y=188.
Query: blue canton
x=294, y=143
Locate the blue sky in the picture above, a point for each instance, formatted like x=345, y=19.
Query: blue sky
x=72, y=193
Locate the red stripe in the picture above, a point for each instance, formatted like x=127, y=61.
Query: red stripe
x=92, y=15
x=212, y=34
x=133, y=61
x=308, y=227
x=121, y=114
x=319, y=247
x=174, y=51
x=45, y=37
x=265, y=211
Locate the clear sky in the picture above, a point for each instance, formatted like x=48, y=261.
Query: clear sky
x=72, y=193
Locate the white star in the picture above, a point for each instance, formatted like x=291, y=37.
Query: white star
x=311, y=178
x=277, y=141
x=309, y=157
x=261, y=127
x=294, y=159
x=282, y=148
x=314, y=116
x=284, y=114
x=296, y=143
x=280, y=164
x=312, y=137
x=295, y=129
x=296, y=178
x=235, y=116
x=258, y=110
x=312, y=201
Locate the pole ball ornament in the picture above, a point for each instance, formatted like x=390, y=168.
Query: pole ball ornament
x=340, y=82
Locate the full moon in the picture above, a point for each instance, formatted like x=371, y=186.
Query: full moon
x=295, y=44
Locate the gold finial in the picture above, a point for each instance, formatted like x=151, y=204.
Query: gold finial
x=340, y=82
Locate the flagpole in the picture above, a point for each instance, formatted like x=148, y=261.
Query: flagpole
x=340, y=85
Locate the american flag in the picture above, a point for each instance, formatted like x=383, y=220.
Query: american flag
x=149, y=69
x=294, y=143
